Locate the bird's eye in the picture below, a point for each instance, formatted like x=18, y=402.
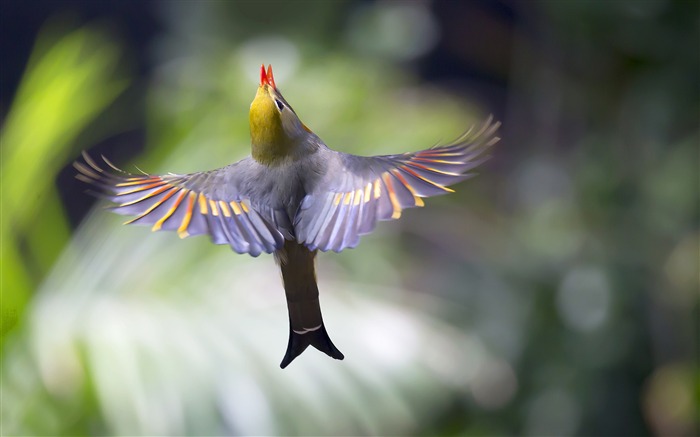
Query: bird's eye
x=280, y=105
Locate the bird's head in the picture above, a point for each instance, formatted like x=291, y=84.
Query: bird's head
x=275, y=128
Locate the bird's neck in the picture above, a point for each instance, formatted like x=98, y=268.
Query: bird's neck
x=270, y=144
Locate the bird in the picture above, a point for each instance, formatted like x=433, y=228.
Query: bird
x=292, y=197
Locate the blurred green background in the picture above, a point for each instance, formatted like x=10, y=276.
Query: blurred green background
x=554, y=294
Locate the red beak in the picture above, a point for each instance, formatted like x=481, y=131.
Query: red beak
x=267, y=77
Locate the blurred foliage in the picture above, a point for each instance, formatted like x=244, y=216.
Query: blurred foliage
x=555, y=294
x=70, y=79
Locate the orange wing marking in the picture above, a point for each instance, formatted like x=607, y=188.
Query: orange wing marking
x=412, y=172
x=392, y=196
x=419, y=201
x=155, y=193
x=142, y=188
x=178, y=200
x=439, y=153
x=138, y=181
x=438, y=161
x=425, y=167
x=167, y=196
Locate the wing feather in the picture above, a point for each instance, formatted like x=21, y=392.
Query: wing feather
x=341, y=209
x=192, y=204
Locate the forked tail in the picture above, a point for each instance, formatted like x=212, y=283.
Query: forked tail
x=305, y=321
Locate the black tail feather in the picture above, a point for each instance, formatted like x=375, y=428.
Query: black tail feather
x=318, y=339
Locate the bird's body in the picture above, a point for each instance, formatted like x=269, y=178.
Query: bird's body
x=292, y=197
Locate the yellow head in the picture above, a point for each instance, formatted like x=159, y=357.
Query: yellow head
x=275, y=129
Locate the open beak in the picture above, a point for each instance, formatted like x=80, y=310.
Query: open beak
x=266, y=77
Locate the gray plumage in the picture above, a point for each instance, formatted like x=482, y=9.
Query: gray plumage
x=302, y=198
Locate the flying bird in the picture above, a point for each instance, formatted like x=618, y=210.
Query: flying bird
x=292, y=197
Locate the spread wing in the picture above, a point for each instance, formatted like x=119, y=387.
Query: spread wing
x=209, y=202
x=362, y=190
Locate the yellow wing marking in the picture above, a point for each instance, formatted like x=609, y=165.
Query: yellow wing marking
x=155, y=193
x=392, y=196
x=368, y=190
x=138, y=181
x=348, y=198
x=336, y=199
x=438, y=161
x=418, y=200
x=159, y=224
x=438, y=152
x=236, y=207
x=182, y=230
x=358, y=197
x=377, y=189
x=142, y=188
x=202, y=204
x=434, y=170
x=224, y=208
x=154, y=206
x=414, y=173
x=214, y=209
